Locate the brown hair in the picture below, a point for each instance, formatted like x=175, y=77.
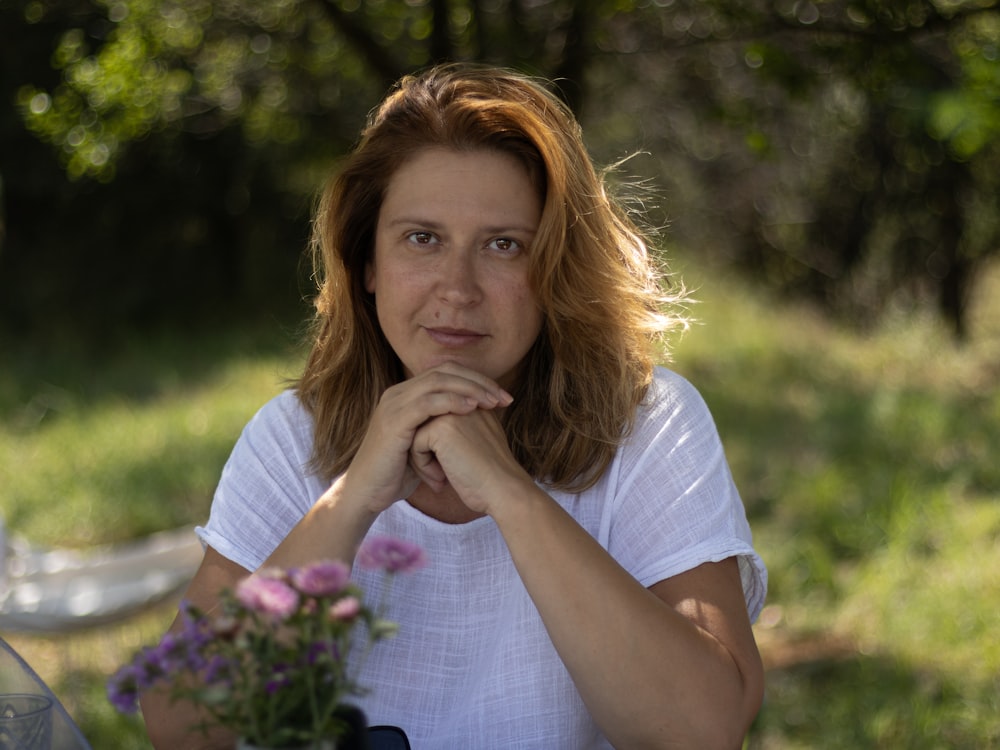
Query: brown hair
x=591, y=273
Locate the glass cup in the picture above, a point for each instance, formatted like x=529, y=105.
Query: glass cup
x=25, y=722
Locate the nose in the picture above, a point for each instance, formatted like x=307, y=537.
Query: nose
x=458, y=280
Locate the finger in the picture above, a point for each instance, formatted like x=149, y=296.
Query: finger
x=449, y=375
x=426, y=466
x=421, y=403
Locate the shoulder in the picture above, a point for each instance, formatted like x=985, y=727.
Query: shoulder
x=285, y=407
x=283, y=414
x=673, y=432
x=266, y=485
x=282, y=427
x=672, y=398
x=669, y=385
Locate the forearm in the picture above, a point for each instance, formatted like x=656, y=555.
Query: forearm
x=332, y=529
x=649, y=675
x=172, y=725
x=176, y=724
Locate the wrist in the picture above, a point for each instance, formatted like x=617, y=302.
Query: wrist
x=346, y=515
x=515, y=503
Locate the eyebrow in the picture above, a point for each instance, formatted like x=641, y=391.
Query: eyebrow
x=437, y=226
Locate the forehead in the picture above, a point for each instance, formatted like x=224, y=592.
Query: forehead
x=480, y=180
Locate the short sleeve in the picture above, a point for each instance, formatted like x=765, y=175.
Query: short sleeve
x=675, y=505
x=265, y=487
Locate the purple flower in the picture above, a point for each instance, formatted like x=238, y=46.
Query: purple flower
x=391, y=555
x=150, y=666
x=279, y=678
x=196, y=629
x=321, y=650
x=268, y=596
x=220, y=670
x=323, y=578
x=162, y=657
x=278, y=640
x=177, y=651
x=123, y=690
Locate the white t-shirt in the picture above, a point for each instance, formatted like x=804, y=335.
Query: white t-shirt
x=472, y=665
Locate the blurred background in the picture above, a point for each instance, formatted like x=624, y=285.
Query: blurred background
x=825, y=176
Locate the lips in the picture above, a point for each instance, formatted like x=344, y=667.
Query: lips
x=454, y=337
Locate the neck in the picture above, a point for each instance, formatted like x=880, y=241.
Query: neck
x=444, y=506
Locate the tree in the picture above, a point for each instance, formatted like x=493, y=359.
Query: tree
x=861, y=162
x=905, y=210
x=848, y=148
x=222, y=113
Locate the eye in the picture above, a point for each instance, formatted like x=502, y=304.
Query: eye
x=421, y=238
x=505, y=246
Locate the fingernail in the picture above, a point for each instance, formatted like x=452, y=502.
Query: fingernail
x=505, y=398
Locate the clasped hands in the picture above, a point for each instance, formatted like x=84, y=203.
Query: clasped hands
x=440, y=427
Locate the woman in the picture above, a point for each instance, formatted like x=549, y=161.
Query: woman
x=481, y=383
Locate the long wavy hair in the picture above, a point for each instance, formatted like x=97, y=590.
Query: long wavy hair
x=601, y=292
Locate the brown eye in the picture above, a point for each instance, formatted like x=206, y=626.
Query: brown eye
x=421, y=238
x=505, y=246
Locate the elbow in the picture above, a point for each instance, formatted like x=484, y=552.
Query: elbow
x=724, y=726
x=735, y=719
x=735, y=715
x=731, y=733
x=162, y=734
x=724, y=733
x=753, y=695
x=725, y=730
x=157, y=729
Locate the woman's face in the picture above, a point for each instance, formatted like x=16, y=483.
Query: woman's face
x=450, y=267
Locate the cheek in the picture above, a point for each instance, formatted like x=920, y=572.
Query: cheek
x=524, y=305
x=389, y=278
x=400, y=294
x=524, y=293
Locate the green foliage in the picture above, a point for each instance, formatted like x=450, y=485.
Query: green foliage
x=118, y=95
x=874, y=702
x=844, y=151
x=881, y=120
x=164, y=65
x=264, y=66
x=968, y=117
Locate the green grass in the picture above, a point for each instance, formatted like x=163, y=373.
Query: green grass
x=100, y=449
x=867, y=464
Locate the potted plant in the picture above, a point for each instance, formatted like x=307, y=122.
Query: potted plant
x=272, y=666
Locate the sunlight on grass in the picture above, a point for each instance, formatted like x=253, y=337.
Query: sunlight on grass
x=936, y=581
x=867, y=463
x=117, y=467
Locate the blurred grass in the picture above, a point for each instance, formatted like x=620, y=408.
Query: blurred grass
x=867, y=464
x=100, y=448
x=868, y=467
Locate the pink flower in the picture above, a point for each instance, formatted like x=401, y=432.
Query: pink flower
x=345, y=609
x=322, y=578
x=391, y=555
x=268, y=595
